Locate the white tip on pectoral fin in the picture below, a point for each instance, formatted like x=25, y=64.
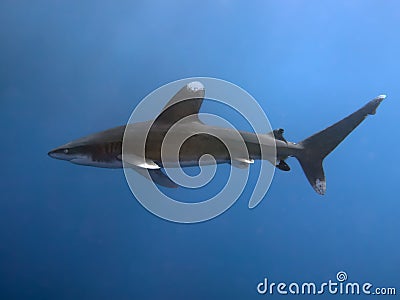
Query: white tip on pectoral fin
x=149, y=165
x=137, y=161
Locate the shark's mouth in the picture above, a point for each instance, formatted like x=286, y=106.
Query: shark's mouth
x=88, y=161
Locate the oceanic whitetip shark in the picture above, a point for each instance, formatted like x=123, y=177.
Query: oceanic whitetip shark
x=104, y=149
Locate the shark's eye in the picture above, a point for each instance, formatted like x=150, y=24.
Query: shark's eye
x=66, y=151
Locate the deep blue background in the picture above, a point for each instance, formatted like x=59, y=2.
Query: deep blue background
x=70, y=69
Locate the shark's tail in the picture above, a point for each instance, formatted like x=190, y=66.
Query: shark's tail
x=319, y=145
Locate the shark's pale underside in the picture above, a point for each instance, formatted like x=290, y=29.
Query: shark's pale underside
x=104, y=149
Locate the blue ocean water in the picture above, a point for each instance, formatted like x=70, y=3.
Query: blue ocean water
x=71, y=69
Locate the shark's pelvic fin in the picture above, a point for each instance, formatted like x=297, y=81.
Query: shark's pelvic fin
x=241, y=163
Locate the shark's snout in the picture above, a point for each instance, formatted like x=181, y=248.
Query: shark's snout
x=60, y=153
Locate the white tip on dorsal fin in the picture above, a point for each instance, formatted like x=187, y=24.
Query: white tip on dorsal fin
x=186, y=102
x=195, y=86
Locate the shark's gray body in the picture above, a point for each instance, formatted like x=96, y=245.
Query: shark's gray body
x=104, y=149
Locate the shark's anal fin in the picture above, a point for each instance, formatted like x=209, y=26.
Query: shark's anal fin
x=283, y=166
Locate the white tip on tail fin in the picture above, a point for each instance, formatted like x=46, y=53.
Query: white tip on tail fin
x=316, y=147
x=320, y=186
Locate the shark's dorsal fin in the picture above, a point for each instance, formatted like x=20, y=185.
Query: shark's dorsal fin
x=278, y=134
x=186, y=102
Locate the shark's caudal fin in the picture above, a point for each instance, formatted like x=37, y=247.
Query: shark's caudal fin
x=319, y=145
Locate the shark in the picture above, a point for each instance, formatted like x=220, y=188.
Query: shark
x=105, y=149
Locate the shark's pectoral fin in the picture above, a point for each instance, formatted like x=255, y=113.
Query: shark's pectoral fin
x=241, y=163
x=137, y=161
x=147, y=168
x=157, y=176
